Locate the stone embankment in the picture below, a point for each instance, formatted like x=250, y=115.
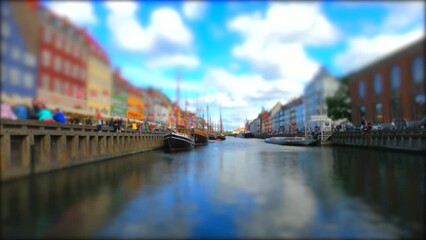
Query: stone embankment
x=30, y=147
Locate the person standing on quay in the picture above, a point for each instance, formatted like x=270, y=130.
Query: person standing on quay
x=98, y=117
x=59, y=116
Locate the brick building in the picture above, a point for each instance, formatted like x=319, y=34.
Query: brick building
x=392, y=88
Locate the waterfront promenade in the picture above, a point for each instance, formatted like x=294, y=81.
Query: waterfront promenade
x=30, y=147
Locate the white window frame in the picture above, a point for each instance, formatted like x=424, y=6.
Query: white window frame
x=14, y=76
x=65, y=86
x=29, y=60
x=46, y=57
x=3, y=72
x=5, y=29
x=58, y=41
x=28, y=80
x=57, y=85
x=47, y=35
x=58, y=63
x=66, y=67
x=75, y=71
x=16, y=53
x=45, y=81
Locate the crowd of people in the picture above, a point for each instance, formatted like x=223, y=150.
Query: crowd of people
x=38, y=111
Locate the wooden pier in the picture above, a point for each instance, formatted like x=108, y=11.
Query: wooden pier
x=30, y=147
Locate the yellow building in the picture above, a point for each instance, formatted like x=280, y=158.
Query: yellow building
x=99, y=79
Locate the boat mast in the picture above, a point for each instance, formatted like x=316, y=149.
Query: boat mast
x=221, y=126
x=177, y=113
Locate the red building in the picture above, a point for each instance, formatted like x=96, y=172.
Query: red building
x=62, y=58
x=266, y=124
x=392, y=88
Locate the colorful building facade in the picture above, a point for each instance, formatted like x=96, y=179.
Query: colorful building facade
x=62, y=68
x=119, y=96
x=19, y=49
x=99, y=78
x=135, y=103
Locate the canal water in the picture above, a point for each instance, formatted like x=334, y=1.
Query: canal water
x=237, y=188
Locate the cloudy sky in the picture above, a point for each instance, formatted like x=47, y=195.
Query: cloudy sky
x=240, y=55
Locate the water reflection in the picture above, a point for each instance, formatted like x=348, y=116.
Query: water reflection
x=237, y=188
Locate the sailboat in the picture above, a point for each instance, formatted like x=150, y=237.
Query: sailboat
x=220, y=136
x=201, y=135
x=180, y=138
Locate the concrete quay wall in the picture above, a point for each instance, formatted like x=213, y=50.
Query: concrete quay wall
x=31, y=147
x=407, y=140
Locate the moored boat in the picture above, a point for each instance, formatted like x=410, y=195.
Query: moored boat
x=212, y=137
x=295, y=141
x=201, y=137
x=220, y=137
x=178, y=141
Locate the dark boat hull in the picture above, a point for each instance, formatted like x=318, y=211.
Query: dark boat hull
x=212, y=137
x=291, y=141
x=201, y=138
x=221, y=138
x=248, y=135
x=174, y=143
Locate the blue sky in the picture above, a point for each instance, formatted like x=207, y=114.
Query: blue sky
x=240, y=55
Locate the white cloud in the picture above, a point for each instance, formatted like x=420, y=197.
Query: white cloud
x=274, y=44
x=194, y=9
x=81, y=13
x=403, y=14
x=248, y=93
x=174, y=60
x=363, y=50
x=165, y=42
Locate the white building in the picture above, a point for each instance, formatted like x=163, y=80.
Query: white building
x=316, y=91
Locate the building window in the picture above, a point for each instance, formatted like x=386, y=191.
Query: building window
x=67, y=67
x=46, y=58
x=57, y=85
x=361, y=89
x=361, y=112
x=47, y=35
x=28, y=81
x=75, y=72
x=395, y=77
x=5, y=31
x=83, y=74
x=16, y=53
x=29, y=60
x=57, y=64
x=45, y=81
x=378, y=117
x=65, y=86
x=418, y=70
x=4, y=48
x=419, y=105
x=75, y=92
x=395, y=109
x=3, y=72
x=58, y=42
x=14, y=76
x=377, y=84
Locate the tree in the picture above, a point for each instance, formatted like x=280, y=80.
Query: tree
x=339, y=105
